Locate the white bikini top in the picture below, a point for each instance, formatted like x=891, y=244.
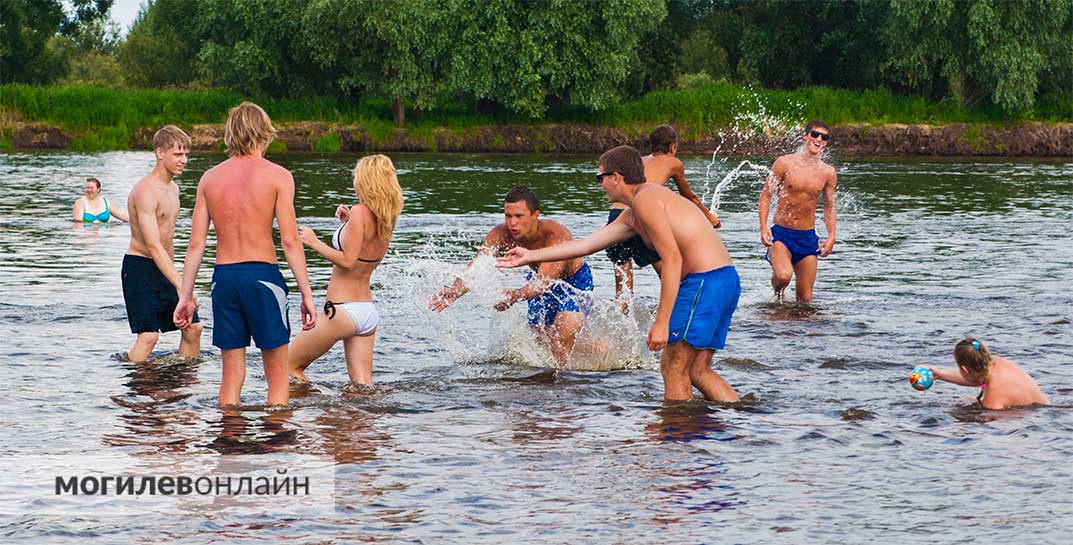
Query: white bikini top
x=338, y=244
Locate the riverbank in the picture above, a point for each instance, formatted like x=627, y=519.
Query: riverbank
x=736, y=120
x=1027, y=139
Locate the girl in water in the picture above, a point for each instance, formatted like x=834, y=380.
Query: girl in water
x=1002, y=382
x=358, y=246
x=94, y=207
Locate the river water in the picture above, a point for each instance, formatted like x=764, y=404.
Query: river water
x=469, y=436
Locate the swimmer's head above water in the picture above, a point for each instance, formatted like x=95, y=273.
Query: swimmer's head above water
x=974, y=360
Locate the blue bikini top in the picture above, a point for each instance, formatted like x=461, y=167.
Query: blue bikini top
x=103, y=217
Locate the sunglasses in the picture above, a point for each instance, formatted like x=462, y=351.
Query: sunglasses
x=821, y=135
x=600, y=176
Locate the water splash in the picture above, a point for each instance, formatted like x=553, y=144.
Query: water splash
x=470, y=330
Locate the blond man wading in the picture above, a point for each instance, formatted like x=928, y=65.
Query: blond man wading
x=241, y=197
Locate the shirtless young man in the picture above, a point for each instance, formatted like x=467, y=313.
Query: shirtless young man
x=556, y=311
x=798, y=179
x=241, y=197
x=150, y=280
x=661, y=165
x=699, y=286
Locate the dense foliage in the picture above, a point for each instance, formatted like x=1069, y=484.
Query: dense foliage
x=553, y=58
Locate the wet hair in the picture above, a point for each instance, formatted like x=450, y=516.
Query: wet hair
x=248, y=128
x=96, y=181
x=663, y=137
x=170, y=135
x=817, y=124
x=626, y=161
x=377, y=182
x=523, y=193
x=974, y=357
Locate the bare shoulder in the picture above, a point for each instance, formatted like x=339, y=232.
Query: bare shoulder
x=554, y=232
x=782, y=164
x=498, y=236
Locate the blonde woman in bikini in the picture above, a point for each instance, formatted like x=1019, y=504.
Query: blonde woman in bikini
x=358, y=246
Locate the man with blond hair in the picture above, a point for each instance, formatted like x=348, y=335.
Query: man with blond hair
x=150, y=280
x=242, y=196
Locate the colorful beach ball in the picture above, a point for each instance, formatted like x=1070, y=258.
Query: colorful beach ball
x=921, y=378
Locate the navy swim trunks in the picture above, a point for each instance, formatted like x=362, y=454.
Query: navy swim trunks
x=634, y=248
x=801, y=242
x=571, y=294
x=249, y=299
x=149, y=297
x=703, y=308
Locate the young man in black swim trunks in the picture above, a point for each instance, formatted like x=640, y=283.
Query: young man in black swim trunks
x=150, y=280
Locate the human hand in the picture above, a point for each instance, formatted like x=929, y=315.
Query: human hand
x=714, y=219
x=515, y=257
x=309, y=312
x=184, y=313
x=342, y=212
x=442, y=300
x=826, y=247
x=657, y=336
x=509, y=298
x=765, y=236
x=307, y=235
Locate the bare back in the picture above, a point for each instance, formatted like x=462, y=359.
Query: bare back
x=241, y=196
x=352, y=284
x=798, y=184
x=701, y=248
x=161, y=199
x=659, y=168
x=1011, y=386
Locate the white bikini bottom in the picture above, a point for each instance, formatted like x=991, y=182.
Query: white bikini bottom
x=363, y=313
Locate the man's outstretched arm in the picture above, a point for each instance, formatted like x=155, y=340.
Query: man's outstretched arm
x=617, y=231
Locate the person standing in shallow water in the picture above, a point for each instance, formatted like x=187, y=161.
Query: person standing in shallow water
x=358, y=246
x=798, y=180
x=660, y=166
x=94, y=207
x=241, y=197
x=150, y=281
x=699, y=286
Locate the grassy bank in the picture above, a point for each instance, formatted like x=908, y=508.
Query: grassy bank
x=108, y=118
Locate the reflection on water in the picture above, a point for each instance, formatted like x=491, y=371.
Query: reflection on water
x=470, y=433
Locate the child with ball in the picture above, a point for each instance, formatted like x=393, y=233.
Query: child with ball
x=1003, y=383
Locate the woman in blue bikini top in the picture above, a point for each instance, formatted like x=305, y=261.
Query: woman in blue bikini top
x=94, y=208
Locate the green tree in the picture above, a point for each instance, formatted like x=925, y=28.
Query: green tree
x=30, y=49
x=975, y=49
x=392, y=49
x=525, y=54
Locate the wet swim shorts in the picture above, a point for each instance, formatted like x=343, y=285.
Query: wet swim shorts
x=801, y=242
x=249, y=299
x=571, y=294
x=149, y=297
x=703, y=308
x=634, y=248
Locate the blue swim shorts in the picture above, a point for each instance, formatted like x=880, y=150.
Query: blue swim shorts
x=249, y=299
x=571, y=294
x=801, y=242
x=634, y=248
x=702, y=311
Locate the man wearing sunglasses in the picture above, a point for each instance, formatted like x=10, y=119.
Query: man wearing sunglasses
x=699, y=286
x=797, y=180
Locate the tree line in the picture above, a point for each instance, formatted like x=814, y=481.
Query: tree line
x=531, y=56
